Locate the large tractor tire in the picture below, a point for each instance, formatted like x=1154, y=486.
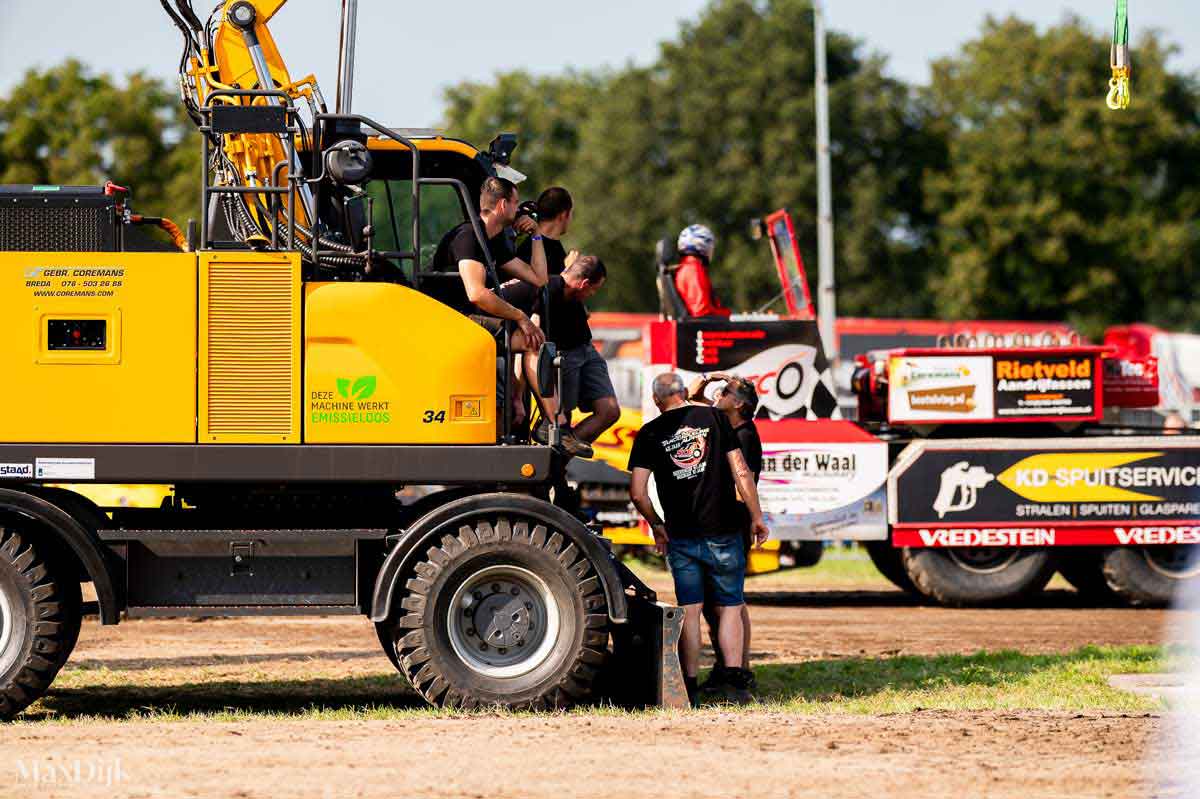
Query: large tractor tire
x=962, y=577
x=39, y=624
x=1083, y=568
x=1150, y=576
x=503, y=612
x=888, y=561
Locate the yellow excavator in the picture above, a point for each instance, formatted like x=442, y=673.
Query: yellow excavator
x=326, y=434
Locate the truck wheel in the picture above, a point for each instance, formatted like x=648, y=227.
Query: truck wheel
x=1149, y=576
x=804, y=554
x=888, y=561
x=503, y=613
x=978, y=575
x=1083, y=568
x=37, y=630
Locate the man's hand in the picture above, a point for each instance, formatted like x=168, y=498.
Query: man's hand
x=661, y=538
x=526, y=224
x=534, y=337
x=759, y=530
x=571, y=258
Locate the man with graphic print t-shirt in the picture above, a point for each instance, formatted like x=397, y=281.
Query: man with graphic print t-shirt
x=694, y=456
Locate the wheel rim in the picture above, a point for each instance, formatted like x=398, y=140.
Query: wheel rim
x=503, y=621
x=1178, y=562
x=983, y=560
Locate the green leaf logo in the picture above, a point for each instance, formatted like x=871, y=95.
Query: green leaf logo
x=343, y=386
x=364, y=387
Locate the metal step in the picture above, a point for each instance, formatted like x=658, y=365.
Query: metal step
x=161, y=611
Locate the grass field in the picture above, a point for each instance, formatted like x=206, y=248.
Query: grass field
x=1075, y=681
x=839, y=568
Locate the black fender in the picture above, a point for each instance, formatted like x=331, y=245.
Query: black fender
x=59, y=512
x=417, y=539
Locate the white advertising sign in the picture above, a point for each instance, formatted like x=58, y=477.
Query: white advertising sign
x=940, y=388
x=824, y=491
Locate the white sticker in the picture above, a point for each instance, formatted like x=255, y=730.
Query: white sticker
x=15, y=471
x=66, y=468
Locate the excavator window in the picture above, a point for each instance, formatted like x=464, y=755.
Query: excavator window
x=441, y=210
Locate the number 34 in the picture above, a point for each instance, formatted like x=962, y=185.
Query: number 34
x=430, y=417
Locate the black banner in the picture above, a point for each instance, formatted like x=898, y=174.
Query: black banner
x=718, y=345
x=783, y=358
x=1038, y=486
x=1041, y=386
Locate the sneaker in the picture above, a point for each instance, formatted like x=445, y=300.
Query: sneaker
x=568, y=442
x=575, y=446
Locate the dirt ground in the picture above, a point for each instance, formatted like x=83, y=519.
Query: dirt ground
x=708, y=754
x=256, y=664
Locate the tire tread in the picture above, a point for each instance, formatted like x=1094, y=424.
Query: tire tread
x=54, y=626
x=412, y=652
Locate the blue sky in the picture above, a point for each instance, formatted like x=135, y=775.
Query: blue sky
x=409, y=51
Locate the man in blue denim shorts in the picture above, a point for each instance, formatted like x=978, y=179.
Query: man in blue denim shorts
x=694, y=456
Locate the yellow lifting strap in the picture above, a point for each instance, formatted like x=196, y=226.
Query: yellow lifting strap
x=1118, y=86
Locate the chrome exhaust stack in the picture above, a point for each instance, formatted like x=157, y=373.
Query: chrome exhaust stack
x=346, y=43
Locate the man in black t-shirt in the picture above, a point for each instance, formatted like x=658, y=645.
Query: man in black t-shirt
x=556, y=209
x=460, y=252
x=694, y=457
x=585, y=380
x=738, y=400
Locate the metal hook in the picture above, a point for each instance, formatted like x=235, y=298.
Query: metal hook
x=1118, y=89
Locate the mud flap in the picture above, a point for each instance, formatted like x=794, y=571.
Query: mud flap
x=644, y=668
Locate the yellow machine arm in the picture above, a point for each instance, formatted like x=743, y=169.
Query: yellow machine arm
x=235, y=51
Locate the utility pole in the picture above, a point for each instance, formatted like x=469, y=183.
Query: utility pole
x=826, y=293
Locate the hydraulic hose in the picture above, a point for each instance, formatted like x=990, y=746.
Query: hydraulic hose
x=167, y=225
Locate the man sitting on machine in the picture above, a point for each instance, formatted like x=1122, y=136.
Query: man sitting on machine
x=475, y=296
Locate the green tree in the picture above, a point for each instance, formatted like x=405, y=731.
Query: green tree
x=1049, y=205
x=68, y=126
x=718, y=130
x=548, y=115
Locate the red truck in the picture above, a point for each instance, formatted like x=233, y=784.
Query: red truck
x=972, y=459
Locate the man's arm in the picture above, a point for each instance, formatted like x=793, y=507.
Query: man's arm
x=696, y=389
x=474, y=278
x=536, y=272
x=639, y=492
x=743, y=479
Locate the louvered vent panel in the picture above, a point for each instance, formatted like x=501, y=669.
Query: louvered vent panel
x=252, y=386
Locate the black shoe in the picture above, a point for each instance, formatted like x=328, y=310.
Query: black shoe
x=716, y=678
x=737, y=686
x=541, y=433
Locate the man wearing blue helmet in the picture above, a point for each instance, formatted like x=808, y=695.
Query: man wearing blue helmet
x=696, y=244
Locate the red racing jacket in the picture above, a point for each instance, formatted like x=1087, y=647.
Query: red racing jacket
x=692, y=283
